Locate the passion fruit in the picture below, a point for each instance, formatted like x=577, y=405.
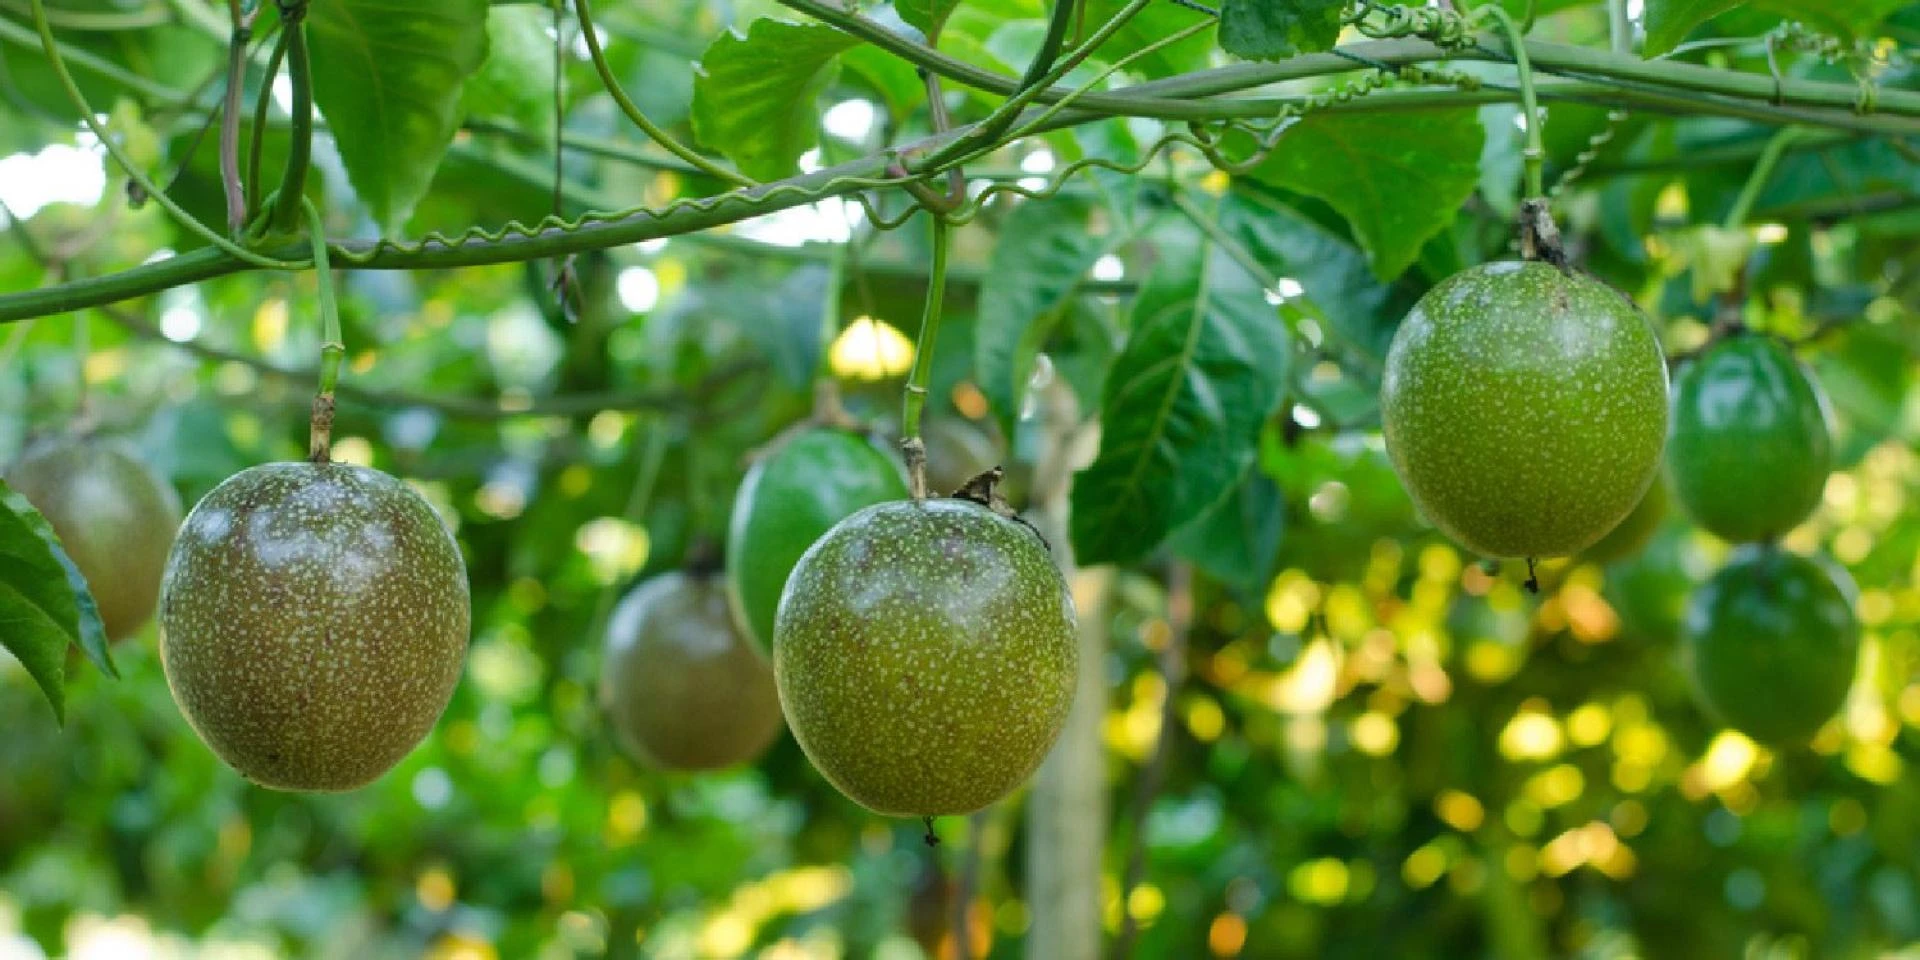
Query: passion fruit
x=791, y=496
x=313, y=623
x=1772, y=643
x=925, y=656
x=113, y=515
x=1525, y=408
x=1751, y=448
x=682, y=689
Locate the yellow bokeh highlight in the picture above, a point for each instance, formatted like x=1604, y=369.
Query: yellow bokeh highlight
x=434, y=888
x=1729, y=758
x=1459, y=810
x=615, y=548
x=1312, y=683
x=1532, y=734
x=626, y=816
x=870, y=349
x=1374, y=733
x=1556, y=787
x=1205, y=720
x=1291, y=600
x=1589, y=724
x=1323, y=881
x=1424, y=867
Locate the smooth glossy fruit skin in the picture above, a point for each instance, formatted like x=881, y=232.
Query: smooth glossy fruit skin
x=681, y=687
x=313, y=623
x=1751, y=448
x=1771, y=643
x=789, y=498
x=115, y=518
x=925, y=656
x=1524, y=408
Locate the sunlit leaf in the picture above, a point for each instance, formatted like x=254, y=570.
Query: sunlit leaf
x=754, y=98
x=388, y=79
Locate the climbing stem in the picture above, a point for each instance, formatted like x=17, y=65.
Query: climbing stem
x=1757, y=179
x=230, y=115
x=1535, y=154
x=916, y=399
x=293, y=183
x=583, y=10
x=333, y=348
x=257, y=137
x=57, y=60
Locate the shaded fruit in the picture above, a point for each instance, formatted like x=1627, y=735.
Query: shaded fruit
x=313, y=623
x=115, y=518
x=789, y=498
x=957, y=451
x=1751, y=449
x=680, y=685
x=1524, y=408
x=1630, y=535
x=925, y=656
x=1771, y=644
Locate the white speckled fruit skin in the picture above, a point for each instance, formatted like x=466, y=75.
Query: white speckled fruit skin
x=1525, y=409
x=925, y=656
x=314, y=621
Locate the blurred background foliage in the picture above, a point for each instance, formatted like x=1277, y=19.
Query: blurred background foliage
x=1380, y=747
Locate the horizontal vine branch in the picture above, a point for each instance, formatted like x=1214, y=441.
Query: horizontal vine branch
x=1599, y=77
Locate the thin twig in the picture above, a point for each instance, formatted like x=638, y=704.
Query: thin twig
x=230, y=114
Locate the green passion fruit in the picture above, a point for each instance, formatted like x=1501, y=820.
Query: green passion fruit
x=1524, y=408
x=925, y=656
x=790, y=497
x=1771, y=643
x=682, y=689
x=114, y=517
x=313, y=623
x=1751, y=449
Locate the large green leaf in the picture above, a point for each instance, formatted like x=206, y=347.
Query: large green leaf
x=1238, y=539
x=753, y=99
x=1043, y=254
x=1398, y=178
x=44, y=602
x=388, y=78
x=1182, y=408
x=1336, y=288
x=1276, y=29
x=516, y=80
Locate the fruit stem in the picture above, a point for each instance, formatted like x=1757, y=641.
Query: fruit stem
x=1757, y=179
x=333, y=347
x=911, y=445
x=1535, y=154
x=1533, y=578
x=932, y=839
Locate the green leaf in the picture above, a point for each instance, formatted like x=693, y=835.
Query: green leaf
x=1398, y=178
x=926, y=16
x=44, y=603
x=1237, y=541
x=388, y=78
x=1182, y=408
x=1150, y=26
x=753, y=98
x=1336, y=287
x=1277, y=29
x=1669, y=21
x=1043, y=254
x=516, y=80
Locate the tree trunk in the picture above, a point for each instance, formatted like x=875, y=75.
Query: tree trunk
x=1067, y=811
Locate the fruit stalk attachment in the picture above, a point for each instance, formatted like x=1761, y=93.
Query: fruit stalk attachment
x=911, y=446
x=333, y=347
x=1539, y=235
